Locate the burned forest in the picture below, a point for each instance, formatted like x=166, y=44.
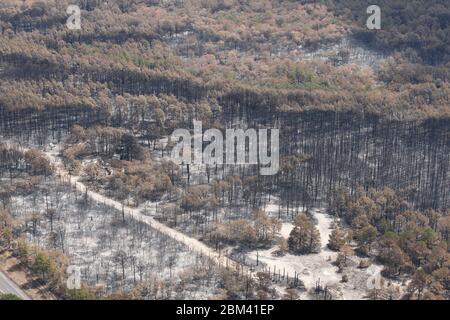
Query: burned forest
x=117, y=120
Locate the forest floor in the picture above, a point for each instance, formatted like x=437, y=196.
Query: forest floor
x=136, y=214
x=93, y=232
x=313, y=269
x=359, y=53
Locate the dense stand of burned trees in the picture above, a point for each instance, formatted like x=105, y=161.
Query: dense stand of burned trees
x=129, y=259
x=335, y=149
x=150, y=67
x=52, y=123
x=322, y=151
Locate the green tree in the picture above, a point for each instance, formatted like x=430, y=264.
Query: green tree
x=6, y=236
x=338, y=238
x=42, y=265
x=365, y=237
x=9, y=296
x=304, y=238
x=419, y=282
x=22, y=251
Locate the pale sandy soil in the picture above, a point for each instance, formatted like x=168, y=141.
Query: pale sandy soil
x=318, y=268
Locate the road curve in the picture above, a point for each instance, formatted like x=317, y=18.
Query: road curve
x=8, y=286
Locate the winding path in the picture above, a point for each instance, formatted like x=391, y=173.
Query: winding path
x=136, y=214
x=8, y=286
